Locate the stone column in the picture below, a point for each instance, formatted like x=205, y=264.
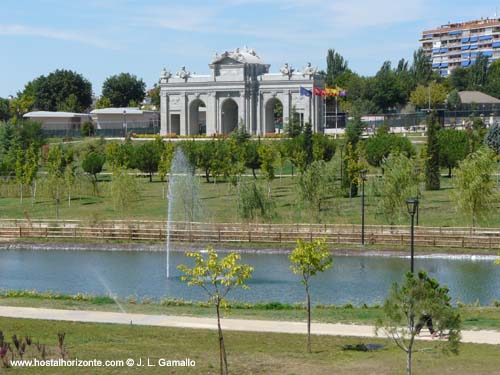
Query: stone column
x=164, y=113
x=211, y=114
x=287, y=106
x=183, y=114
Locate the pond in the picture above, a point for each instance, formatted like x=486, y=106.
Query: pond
x=352, y=279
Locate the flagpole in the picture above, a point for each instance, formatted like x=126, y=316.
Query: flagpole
x=336, y=117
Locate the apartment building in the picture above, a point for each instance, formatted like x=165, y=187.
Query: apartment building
x=459, y=44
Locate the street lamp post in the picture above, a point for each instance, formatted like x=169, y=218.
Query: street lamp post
x=362, y=174
x=125, y=122
x=417, y=173
x=412, y=206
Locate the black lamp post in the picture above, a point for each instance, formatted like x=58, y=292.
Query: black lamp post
x=362, y=174
x=417, y=173
x=125, y=122
x=412, y=205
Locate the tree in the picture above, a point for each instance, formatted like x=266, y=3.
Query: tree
x=4, y=109
x=335, y=67
x=323, y=148
x=436, y=92
x=379, y=146
x=476, y=132
x=123, y=191
x=103, y=102
x=474, y=185
x=307, y=143
x=26, y=168
x=460, y=78
x=315, y=184
x=307, y=260
x=453, y=101
x=122, y=88
x=61, y=90
x=217, y=277
x=493, y=80
x=416, y=297
x=399, y=182
x=165, y=163
x=92, y=164
x=253, y=202
x=432, y=173
x=492, y=139
x=55, y=176
x=478, y=73
x=88, y=129
x=421, y=68
x=387, y=91
x=294, y=127
x=147, y=157
x=252, y=159
x=267, y=156
x=453, y=148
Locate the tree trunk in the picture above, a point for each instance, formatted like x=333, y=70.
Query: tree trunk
x=207, y=175
x=254, y=175
x=222, y=348
x=408, y=362
x=449, y=171
x=150, y=176
x=308, y=320
x=21, y=193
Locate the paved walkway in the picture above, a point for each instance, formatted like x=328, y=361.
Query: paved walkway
x=476, y=337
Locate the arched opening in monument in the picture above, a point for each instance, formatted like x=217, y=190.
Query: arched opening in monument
x=274, y=116
x=229, y=116
x=175, y=123
x=197, y=117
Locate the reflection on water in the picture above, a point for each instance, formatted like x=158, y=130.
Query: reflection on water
x=353, y=279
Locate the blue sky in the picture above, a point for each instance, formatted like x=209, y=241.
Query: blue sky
x=106, y=37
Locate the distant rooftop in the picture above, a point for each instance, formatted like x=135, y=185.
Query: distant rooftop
x=485, y=22
x=120, y=111
x=243, y=55
x=477, y=97
x=43, y=114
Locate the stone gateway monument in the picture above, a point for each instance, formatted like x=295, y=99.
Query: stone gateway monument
x=239, y=92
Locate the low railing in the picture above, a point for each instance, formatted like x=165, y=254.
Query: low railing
x=453, y=237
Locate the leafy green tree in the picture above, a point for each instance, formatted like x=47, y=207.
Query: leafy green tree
x=254, y=203
x=296, y=154
x=88, y=129
x=267, y=155
x=474, y=186
x=492, y=139
x=55, y=176
x=387, y=91
x=147, y=157
x=323, y=148
x=205, y=157
x=307, y=260
x=478, y=73
x=92, y=164
x=252, y=157
x=438, y=94
x=293, y=128
x=460, y=78
x=476, y=132
x=165, y=163
x=493, y=80
x=399, y=182
x=217, y=277
x=122, y=88
x=4, y=109
x=316, y=184
x=453, y=148
x=124, y=191
x=453, y=101
x=60, y=90
x=307, y=143
x=432, y=173
x=335, y=67
x=103, y=102
x=378, y=147
x=421, y=68
x=417, y=297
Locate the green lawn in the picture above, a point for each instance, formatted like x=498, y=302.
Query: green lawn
x=248, y=353
x=219, y=204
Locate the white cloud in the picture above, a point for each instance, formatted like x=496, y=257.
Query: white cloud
x=22, y=30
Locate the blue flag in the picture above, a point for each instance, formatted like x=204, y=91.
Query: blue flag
x=305, y=92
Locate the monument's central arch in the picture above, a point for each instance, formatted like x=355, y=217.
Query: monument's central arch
x=238, y=91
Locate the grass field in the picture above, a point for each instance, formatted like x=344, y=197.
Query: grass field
x=219, y=204
x=248, y=353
